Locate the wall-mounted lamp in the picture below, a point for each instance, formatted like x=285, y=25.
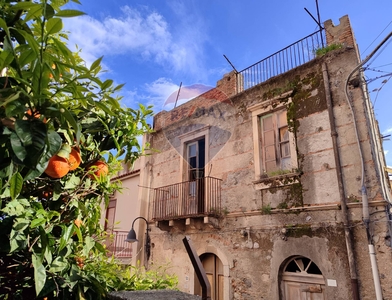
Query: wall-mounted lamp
x=131, y=237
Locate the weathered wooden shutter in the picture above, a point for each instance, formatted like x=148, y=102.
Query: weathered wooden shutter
x=268, y=142
x=284, y=141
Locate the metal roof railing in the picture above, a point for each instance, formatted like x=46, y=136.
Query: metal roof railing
x=282, y=61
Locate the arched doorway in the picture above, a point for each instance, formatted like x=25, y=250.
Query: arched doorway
x=301, y=279
x=214, y=269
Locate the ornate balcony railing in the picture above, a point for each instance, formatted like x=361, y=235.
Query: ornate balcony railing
x=117, y=245
x=282, y=61
x=200, y=197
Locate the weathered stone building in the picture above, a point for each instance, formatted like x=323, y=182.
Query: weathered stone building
x=277, y=180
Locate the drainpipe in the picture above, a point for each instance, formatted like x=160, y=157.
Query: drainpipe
x=347, y=231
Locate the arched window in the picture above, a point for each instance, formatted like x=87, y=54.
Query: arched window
x=301, y=278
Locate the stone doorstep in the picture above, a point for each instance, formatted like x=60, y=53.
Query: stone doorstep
x=152, y=294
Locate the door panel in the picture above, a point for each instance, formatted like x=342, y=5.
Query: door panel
x=220, y=287
x=302, y=291
x=292, y=291
x=214, y=271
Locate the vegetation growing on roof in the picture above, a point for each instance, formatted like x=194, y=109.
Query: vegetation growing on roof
x=322, y=51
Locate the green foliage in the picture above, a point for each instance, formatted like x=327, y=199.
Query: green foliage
x=51, y=243
x=279, y=173
x=266, y=209
x=108, y=275
x=225, y=211
x=282, y=205
x=155, y=279
x=325, y=50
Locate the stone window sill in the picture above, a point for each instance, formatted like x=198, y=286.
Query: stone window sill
x=276, y=181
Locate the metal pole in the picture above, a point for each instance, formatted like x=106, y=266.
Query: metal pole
x=347, y=230
x=178, y=94
x=198, y=266
x=320, y=27
x=148, y=240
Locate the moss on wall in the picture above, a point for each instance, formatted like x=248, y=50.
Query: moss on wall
x=294, y=196
x=299, y=230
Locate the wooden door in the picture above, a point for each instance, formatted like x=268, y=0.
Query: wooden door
x=302, y=280
x=214, y=270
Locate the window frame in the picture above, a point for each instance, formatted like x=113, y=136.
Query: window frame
x=277, y=158
x=110, y=211
x=185, y=140
x=270, y=107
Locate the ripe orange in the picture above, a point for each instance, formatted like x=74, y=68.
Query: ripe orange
x=78, y=223
x=100, y=168
x=57, y=167
x=80, y=262
x=50, y=74
x=35, y=114
x=74, y=159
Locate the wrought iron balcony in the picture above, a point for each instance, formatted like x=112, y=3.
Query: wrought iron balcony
x=117, y=245
x=195, y=198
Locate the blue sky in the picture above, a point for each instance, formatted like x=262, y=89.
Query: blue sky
x=154, y=45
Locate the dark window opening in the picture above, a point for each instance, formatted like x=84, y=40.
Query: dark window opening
x=303, y=264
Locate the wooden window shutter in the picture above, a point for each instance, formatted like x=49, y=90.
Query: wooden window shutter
x=268, y=142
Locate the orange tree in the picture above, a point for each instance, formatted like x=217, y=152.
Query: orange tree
x=51, y=103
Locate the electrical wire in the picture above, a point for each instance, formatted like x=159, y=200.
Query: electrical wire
x=378, y=91
x=378, y=77
x=383, y=65
x=377, y=37
x=378, y=54
x=375, y=70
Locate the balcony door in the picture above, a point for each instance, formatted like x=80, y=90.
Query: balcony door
x=196, y=163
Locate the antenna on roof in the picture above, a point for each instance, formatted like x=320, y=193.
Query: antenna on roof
x=230, y=63
x=317, y=21
x=178, y=94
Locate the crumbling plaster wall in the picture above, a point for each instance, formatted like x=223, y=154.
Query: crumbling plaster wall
x=252, y=263
x=381, y=241
x=348, y=148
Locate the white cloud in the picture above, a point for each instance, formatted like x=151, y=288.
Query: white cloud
x=158, y=91
x=155, y=94
x=146, y=34
x=387, y=131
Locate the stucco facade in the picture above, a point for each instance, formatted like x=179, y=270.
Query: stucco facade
x=123, y=208
x=264, y=227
